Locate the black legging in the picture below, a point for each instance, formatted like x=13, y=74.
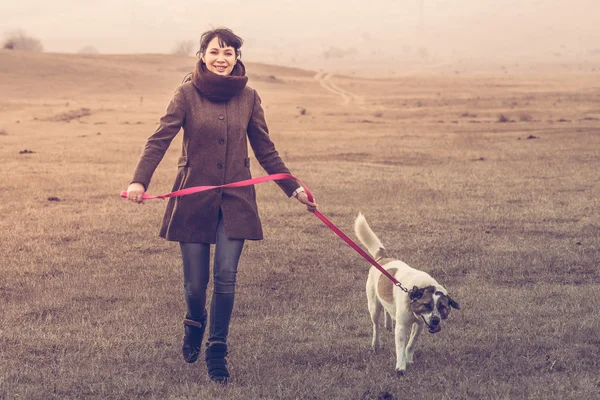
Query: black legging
x=196, y=275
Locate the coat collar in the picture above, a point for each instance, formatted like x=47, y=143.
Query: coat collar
x=219, y=88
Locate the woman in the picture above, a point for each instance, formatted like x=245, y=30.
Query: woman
x=217, y=111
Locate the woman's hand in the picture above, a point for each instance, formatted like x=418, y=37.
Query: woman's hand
x=135, y=192
x=311, y=206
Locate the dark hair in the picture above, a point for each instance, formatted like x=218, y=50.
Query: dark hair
x=226, y=38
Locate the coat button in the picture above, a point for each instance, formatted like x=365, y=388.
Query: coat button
x=221, y=141
x=221, y=117
x=218, y=190
x=219, y=165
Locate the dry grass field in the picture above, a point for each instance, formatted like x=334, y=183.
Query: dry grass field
x=504, y=214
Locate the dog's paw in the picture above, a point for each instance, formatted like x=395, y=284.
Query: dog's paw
x=409, y=358
x=389, y=327
x=376, y=347
x=400, y=372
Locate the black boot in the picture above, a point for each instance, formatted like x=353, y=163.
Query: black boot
x=216, y=363
x=194, y=333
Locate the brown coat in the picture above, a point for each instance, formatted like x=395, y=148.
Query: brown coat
x=214, y=152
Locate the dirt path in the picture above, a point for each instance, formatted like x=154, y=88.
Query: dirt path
x=324, y=79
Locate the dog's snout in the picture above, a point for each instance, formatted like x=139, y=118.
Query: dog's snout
x=435, y=321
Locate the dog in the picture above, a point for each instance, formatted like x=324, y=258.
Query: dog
x=425, y=305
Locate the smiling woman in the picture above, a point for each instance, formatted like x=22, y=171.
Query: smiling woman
x=219, y=115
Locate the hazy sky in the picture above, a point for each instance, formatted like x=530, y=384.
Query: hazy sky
x=288, y=30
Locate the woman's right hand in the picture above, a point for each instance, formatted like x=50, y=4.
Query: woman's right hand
x=135, y=192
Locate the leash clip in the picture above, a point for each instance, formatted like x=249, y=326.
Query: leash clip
x=402, y=287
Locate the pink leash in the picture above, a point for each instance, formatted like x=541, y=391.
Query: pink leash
x=275, y=177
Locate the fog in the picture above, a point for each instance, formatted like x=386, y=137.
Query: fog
x=327, y=33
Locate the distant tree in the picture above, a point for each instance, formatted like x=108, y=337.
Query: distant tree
x=19, y=40
x=88, y=50
x=336, y=52
x=184, y=48
x=423, y=52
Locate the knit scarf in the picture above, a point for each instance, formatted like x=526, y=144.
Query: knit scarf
x=219, y=88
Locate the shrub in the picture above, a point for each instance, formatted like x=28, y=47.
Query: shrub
x=502, y=118
x=19, y=40
x=184, y=48
x=88, y=50
x=524, y=117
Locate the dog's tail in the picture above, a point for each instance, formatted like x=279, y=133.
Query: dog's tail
x=368, y=238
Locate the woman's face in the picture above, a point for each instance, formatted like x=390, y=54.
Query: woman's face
x=219, y=60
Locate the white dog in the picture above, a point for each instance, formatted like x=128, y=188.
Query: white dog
x=427, y=303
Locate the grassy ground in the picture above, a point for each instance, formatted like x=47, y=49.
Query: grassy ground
x=91, y=299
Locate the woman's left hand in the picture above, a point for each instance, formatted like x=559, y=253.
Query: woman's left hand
x=310, y=205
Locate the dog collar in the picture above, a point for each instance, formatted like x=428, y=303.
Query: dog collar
x=429, y=327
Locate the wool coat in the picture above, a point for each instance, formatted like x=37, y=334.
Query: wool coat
x=214, y=152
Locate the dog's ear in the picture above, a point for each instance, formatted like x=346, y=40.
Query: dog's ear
x=453, y=303
x=415, y=293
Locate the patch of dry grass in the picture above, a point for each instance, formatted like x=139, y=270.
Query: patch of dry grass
x=92, y=300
